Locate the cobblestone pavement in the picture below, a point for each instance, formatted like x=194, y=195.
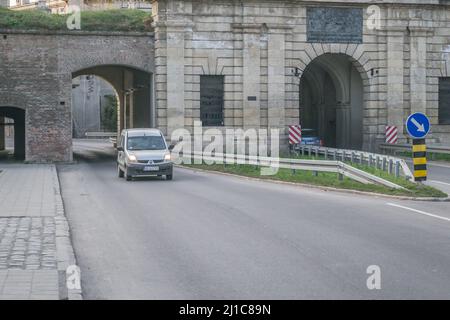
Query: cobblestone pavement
x=27, y=243
x=35, y=246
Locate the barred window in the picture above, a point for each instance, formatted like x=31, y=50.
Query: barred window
x=211, y=100
x=444, y=100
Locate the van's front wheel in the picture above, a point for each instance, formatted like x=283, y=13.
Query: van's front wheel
x=169, y=177
x=127, y=177
x=119, y=172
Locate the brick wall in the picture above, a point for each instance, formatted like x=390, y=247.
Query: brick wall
x=36, y=75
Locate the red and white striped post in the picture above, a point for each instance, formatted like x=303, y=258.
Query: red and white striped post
x=295, y=134
x=391, y=134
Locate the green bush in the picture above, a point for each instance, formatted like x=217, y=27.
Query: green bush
x=109, y=114
x=107, y=20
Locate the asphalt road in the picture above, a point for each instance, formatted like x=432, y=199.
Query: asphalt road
x=209, y=236
x=438, y=175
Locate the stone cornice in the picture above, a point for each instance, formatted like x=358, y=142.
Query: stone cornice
x=394, y=30
x=78, y=33
x=420, y=28
x=173, y=25
x=279, y=28
x=247, y=27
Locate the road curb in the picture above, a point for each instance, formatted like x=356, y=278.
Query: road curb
x=65, y=253
x=323, y=188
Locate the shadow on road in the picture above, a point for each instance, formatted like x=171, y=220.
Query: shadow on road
x=93, y=151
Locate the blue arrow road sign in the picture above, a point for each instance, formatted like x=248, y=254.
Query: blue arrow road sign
x=418, y=125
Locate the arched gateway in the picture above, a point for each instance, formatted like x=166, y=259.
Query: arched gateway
x=332, y=101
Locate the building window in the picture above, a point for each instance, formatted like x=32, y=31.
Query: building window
x=211, y=100
x=444, y=100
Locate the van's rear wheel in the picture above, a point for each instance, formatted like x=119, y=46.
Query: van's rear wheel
x=119, y=172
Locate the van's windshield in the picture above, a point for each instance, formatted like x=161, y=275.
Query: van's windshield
x=146, y=143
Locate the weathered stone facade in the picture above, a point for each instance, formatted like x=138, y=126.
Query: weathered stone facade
x=258, y=46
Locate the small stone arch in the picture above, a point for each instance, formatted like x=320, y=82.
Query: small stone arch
x=133, y=88
x=18, y=114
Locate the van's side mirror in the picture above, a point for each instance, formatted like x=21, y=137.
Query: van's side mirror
x=171, y=146
x=119, y=148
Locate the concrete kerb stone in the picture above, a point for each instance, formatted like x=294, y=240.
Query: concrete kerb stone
x=65, y=254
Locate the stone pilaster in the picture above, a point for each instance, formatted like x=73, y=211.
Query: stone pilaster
x=251, y=74
x=395, y=77
x=2, y=134
x=171, y=27
x=173, y=65
x=418, y=66
x=276, y=76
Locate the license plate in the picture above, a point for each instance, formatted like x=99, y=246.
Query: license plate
x=148, y=168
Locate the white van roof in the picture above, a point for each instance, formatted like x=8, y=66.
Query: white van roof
x=143, y=132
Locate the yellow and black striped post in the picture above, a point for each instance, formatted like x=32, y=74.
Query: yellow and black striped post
x=420, y=159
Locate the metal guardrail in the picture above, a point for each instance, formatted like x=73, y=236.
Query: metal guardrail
x=408, y=147
x=392, y=165
x=100, y=134
x=113, y=140
x=342, y=169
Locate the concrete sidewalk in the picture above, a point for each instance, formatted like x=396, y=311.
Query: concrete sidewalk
x=35, y=246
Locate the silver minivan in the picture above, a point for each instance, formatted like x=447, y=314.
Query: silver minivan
x=143, y=153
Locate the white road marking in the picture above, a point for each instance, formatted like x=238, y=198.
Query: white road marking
x=437, y=164
x=435, y=181
x=430, y=163
x=418, y=211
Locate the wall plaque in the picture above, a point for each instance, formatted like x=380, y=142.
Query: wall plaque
x=335, y=25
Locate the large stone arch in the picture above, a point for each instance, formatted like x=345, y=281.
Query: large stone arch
x=356, y=53
x=93, y=53
x=134, y=91
x=131, y=50
x=361, y=61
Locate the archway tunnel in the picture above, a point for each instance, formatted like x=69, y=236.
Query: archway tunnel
x=130, y=88
x=331, y=101
x=12, y=132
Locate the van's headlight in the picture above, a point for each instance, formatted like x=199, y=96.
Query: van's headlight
x=132, y=158
x=167, y=157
